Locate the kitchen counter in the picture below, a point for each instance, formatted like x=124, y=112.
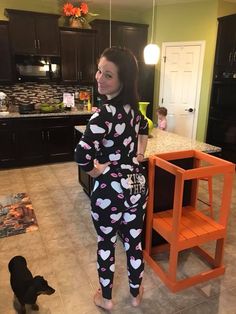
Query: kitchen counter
x=39, y=138
x=164, y=142
x=73, y=112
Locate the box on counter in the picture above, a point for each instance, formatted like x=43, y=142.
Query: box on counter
x=68, y=100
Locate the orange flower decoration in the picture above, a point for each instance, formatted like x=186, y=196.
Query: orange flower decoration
x=84, y=8
x=76, y=12
x=67, y=9
x=80, y=11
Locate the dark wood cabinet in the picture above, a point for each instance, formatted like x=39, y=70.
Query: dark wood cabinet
x=33, y=33
x=221, y=130
x=46, y=140
x=5, y=55
x=225, y=58
x=134, y=37
x=129, y=35
x=78, y=55
x=29, y=142
x=37, y=140
x=8, y=143
x=60, y=141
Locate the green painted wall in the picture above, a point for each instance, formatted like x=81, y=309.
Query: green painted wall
x=226, y=8
x=190, y=22
x=45, y=6
x=119, y=14
x=55, y=6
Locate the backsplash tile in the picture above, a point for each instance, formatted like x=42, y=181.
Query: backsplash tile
x=37, y=93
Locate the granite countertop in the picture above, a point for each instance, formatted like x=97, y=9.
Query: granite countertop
x=72, y=112
x=164, y=142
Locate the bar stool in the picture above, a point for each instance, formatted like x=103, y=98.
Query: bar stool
x=185, y=227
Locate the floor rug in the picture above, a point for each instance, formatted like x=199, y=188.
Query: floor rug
x=16, y=215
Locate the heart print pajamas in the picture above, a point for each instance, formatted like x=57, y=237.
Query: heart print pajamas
x=119, y=195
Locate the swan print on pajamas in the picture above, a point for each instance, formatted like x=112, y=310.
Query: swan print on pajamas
x=119, y=195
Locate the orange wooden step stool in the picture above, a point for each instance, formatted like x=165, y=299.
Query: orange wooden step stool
x=185, y=227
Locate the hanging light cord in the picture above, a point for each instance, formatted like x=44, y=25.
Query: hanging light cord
x=153, y=14
x=110, y=26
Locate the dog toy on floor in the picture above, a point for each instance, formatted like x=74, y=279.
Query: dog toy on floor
x=26, y=287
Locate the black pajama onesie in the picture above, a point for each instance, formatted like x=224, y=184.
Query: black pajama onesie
x=119, y=196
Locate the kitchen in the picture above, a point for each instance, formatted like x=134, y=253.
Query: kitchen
x=38, y=181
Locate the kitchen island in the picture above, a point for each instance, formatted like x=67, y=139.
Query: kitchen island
x=159, y=142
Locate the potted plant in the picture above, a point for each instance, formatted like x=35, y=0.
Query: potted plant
x=78, y=13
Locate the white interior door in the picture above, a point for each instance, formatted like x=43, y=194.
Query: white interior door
x=181, y=73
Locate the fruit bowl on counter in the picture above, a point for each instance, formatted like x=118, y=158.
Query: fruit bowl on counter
x=48, y=108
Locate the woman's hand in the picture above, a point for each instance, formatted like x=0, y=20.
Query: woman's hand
x=140, y=157
x=98, y=169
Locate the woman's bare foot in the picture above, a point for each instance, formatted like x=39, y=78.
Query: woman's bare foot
x=102, y=302
x=137, y=300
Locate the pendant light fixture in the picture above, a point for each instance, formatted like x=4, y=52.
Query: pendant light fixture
x=152, y=51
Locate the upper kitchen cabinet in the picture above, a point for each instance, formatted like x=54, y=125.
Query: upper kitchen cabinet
x=5, y=56
x=78, y=55
x=221, y=130
x=225, y=60
x=129, y=35
x=33, y=33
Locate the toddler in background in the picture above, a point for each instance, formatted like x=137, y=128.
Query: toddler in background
x=162, y=121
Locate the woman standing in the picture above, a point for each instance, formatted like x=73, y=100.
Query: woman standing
x=110, y=151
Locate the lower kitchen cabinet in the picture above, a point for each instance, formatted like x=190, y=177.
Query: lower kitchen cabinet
x=33, y=141
x=30, y=145
x=8, y=144
x=59, y=142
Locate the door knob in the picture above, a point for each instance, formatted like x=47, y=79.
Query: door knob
x=189, y=109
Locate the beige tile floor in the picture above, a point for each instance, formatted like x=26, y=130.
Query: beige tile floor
x=63, y=250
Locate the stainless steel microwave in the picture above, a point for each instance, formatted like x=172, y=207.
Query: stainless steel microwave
x=37, y=68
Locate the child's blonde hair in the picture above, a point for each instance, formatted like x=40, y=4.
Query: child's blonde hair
x=163, y=111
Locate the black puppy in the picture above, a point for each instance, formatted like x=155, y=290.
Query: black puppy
x=26, y=287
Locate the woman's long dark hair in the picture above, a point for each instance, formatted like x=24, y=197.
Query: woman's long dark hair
x=127, y=66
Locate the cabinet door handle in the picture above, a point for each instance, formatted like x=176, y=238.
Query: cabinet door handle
x=43, y=137
x=48, y=135
x=230, y=57
x=79, y=75
x=38, y=44
x=234, y=58
x=35, y=43
x=13, y=137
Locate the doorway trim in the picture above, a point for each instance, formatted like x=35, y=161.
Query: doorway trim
x=199, y=80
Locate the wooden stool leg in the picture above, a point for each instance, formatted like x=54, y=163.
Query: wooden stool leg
x=173, y=262
x=219, y=252
x=210, y=196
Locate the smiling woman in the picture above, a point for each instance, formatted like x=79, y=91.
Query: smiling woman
x=110, y=150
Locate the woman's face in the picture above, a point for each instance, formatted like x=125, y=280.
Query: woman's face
x=107, y=79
